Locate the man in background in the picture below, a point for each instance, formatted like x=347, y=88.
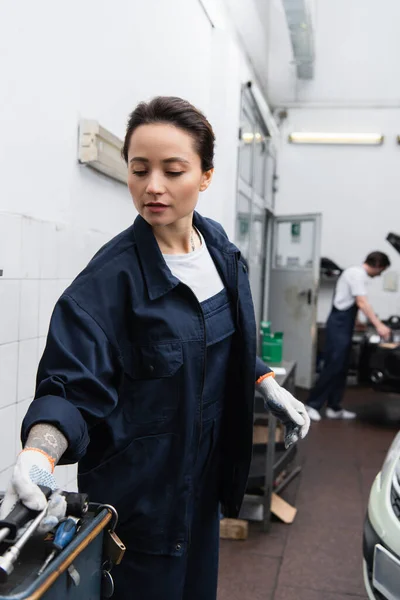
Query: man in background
x=350, y=296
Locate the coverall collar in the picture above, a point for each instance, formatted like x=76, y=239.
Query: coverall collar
x=213, y=234
x=157, y=275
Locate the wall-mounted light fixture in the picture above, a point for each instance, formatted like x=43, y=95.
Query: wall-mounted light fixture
x=101, y=150
x=306, y=137
x=248, y=137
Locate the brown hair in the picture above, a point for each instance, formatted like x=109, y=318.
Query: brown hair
x=379, y=260
x=181, y=114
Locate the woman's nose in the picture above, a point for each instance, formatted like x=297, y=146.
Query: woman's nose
x=155, y=184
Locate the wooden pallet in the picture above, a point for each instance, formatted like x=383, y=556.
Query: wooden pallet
x=238, y=529
x=233, y=529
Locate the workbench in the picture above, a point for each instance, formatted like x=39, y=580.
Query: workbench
x=270, y=459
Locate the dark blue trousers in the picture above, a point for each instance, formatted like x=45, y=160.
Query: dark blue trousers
x=331, y=383
x=194, y=575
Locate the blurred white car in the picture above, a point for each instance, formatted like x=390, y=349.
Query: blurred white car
x=381, y=544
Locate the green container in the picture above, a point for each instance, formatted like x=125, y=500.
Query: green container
x=272, y=347
x=265, y=327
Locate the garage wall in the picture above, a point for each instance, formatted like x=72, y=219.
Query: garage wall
x=94, y=60
x=355, y=89
x=356, y=49
x=355, y=188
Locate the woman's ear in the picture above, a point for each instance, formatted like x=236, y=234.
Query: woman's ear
x=206, y=179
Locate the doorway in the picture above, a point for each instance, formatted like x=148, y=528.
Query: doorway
x=293, y=291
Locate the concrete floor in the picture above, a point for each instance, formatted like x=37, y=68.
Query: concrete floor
x=319, y=556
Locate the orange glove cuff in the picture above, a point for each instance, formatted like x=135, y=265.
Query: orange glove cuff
x=49, y=458
x=260, y=379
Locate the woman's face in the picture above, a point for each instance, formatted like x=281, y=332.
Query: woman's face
x=164, y=173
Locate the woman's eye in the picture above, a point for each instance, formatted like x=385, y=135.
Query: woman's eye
x=175, y=173
x=139, y=173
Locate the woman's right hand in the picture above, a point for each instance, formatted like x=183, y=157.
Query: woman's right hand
x=33, y=468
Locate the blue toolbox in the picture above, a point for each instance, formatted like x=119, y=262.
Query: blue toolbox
x=79, y=570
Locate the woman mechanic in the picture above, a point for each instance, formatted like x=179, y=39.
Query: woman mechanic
x=148, y=375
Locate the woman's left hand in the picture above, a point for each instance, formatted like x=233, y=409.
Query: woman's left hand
x=291, y=412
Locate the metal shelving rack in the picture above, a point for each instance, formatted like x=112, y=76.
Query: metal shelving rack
x=269, y=460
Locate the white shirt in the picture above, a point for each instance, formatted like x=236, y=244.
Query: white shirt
x=197, y=270
x=352, y=282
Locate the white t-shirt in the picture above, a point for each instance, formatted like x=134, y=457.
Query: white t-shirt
x=197, y=270
x=352, y=282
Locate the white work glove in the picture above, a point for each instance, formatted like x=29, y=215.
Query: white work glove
x=291, y=412
x=34, y=468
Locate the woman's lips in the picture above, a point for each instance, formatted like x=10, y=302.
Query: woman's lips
x=156, y=207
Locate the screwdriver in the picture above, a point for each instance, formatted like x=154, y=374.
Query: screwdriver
x=63, y=536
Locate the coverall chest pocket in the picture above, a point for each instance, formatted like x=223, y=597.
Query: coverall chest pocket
x=152, y=381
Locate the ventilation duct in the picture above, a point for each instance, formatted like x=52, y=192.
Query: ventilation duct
x=298, y=16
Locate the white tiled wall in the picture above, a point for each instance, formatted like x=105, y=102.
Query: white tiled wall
x=8, y=373
x=38, y=260
x=27, y=365
x=9, y=302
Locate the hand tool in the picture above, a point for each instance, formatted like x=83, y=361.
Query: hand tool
x=21, y=515
x=77, y=506
x=63, y=536
x=77, y=503
x=18, y=517
x=11, y=555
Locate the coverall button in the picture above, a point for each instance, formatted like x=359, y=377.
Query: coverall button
x=178, y=547
x=151, y=368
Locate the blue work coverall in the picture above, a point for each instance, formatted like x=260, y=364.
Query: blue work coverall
x=124, y=377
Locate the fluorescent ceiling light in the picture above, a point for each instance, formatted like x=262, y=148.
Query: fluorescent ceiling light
x=306, y=137
x=248, y=137
x=101, y=150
